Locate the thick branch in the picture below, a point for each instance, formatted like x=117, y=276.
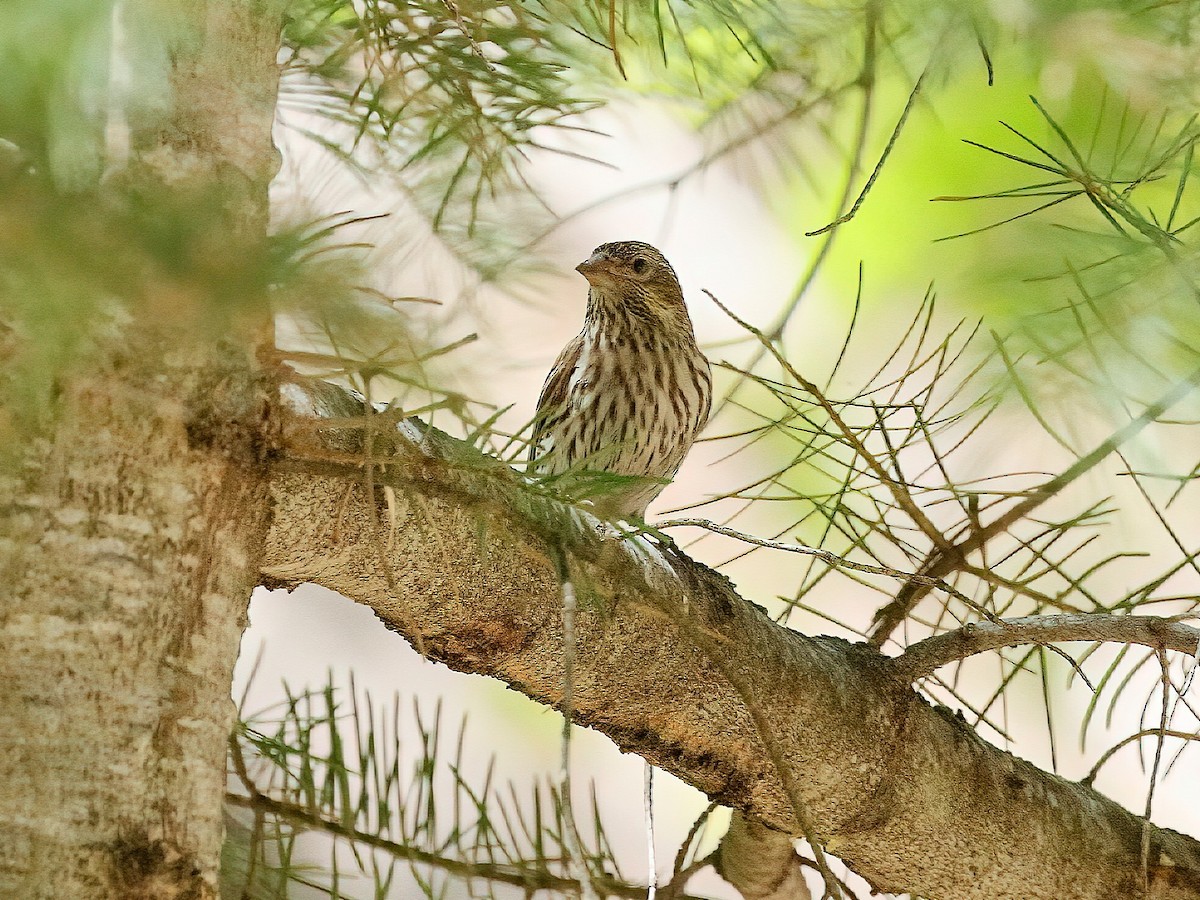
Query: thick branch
x=906, y=793
x=925, y=656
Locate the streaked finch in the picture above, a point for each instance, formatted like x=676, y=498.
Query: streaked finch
x=629, y=393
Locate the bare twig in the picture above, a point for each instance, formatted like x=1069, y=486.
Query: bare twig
x=577, y=860
x=887, y=150
x=1125, y=742
x=1164, y=717
x=866, y=79
x=682, y=870
x=825, y=555
x=925, y=656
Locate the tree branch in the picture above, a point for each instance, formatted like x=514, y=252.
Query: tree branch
x=761, y=863
x=883, y=776
x=530, y=877
x=925, y=656
x=942, y=562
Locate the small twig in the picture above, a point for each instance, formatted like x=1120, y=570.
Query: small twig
x=462, y=26
x=681, y=872
x=874, y=176
x=575, y=856
x=866, y=80
x=838, y=562
x=825, y=555
x=1160, y=733
x=1147, y=732
x=651, y=862
x=941, y=562
x=612, y=38
x=923, y=657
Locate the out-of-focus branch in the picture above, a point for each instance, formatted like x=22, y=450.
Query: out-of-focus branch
x=882, y=776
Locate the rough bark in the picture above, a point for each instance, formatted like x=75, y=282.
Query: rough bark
x=761, y=863
x=129, y=551
x=675, y=666
x=131, y=531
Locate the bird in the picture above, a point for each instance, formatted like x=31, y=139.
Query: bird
x=628, y=395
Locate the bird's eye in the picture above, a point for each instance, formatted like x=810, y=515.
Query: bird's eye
x=639, y=265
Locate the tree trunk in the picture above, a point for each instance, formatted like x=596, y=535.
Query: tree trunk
x=130, y=555
x=131, y=532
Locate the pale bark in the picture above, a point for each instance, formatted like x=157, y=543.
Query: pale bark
x=130, y=533
x=761, y=863
x=924, y=657
x=674, y=665
x=128, y=556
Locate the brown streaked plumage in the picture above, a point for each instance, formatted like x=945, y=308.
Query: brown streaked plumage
x=631, y=391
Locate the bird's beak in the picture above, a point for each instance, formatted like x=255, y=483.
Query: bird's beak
x=595, y=268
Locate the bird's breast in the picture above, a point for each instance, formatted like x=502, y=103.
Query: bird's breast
x=633, y=411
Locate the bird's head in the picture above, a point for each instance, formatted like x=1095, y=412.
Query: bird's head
x=633, y=278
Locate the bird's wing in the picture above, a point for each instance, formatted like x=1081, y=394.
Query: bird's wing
x=704, y=381
x=551, y=405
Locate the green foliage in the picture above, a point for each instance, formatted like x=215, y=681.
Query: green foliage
x=82, y=270
x=457, y=92
x=389, y=792
x=62, y=91
x=51, y=102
